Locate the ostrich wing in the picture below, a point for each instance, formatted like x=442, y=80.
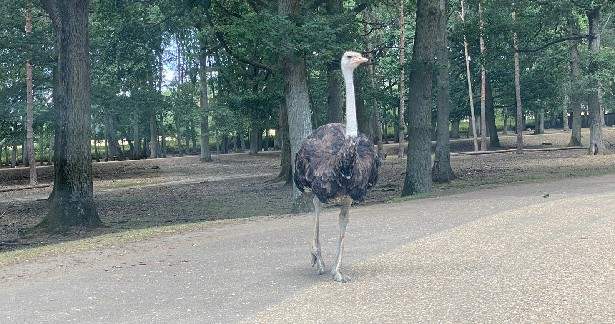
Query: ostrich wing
x=365, y=171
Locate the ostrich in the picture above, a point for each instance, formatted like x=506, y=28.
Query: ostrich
x=337, y=164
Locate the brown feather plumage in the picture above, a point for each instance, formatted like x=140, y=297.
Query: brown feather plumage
x=332, y=165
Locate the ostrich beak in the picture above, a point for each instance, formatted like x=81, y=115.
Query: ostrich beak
x=361, y=60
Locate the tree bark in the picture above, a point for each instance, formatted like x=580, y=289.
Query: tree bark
x=494, y=140
x=596, y=143
x=254, y=140
x=296, y=96
x=110, y=134
x=469, y=79
x=153, y=133
x=540, y=121
x=483, y=80
x=72, y=199
x=455, y=128
x=402, y=80
x=14, y=156
x=136, y=138
x=334, y=76
x=204, y=100
x=418, y=170
x=442, y=171
x=30, y=104
x=286, y=171
x=520, y=121
x=375, y=118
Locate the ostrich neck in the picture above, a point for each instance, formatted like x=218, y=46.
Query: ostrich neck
x=351, y=108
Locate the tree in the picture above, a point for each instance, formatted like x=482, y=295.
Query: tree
x=295, y=91
x=442, y=171
x=469, y=79
x=72, y=199
x=30, y=104
x=204, y=100
x=418, y=169
x=483, y=80
x=596, y=144
x=520, y=123
x=402, y=79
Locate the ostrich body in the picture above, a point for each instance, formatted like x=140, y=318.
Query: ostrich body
x=337, y=164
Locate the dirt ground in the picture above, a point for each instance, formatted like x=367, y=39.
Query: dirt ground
x=149, y=193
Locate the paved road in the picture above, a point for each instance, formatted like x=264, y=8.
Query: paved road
x=505, y=254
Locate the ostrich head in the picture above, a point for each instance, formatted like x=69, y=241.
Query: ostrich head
x=351, y=60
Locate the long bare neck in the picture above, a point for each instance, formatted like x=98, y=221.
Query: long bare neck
x=351, y=108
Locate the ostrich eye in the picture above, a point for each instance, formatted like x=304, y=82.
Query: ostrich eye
x=348, y=57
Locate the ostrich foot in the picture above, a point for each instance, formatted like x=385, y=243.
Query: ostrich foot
x=339, y=277
x=318, y=262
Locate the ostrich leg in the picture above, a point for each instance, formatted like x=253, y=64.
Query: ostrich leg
x=316, y=256
x=343, y=221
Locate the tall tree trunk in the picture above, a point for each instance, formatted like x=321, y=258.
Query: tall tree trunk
x=136, y=138
x=418, y=170
x=565, y=125
x=110, y=135
x=540, y=121
x=442, y=171
x=254, y=140
x=364, y=114
x=72, y=199
x=204, y=100
x=153, y=133
x=483, y=80
x=455, y=128
x=376, y=118
x=334, y=95
x=402, y=80
x=30, y=103
x=334, y=76
x=14, y=156
x=596, y=144
x=286, y=171
x=494, y=140
x=296, y=95
x=469, y=79
x=163, y=137
x=520, y=121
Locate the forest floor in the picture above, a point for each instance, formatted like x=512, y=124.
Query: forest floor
x=150, y=194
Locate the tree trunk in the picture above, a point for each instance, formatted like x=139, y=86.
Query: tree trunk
x=14, y=156
x=442, y=171
x=254, y=140
x=296, y=95
x=483, y=80
x=72, y=198
x=364, y=119
x=163, y=138
x=110, y=134
x=418, y=170
x=596, y=144
x=455, y=128
x=469, y=79
x=286, y=171
x=334, y=76
x=30, y=104
x=178, y=136
x=204, y=100
x=540, y=121
x=494, y=140
x=153, y=133
x=136, y=139
x=565, y=125
x=402, y=80
x=520, y=121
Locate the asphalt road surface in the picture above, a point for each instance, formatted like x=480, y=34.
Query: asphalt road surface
x=511, y=254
